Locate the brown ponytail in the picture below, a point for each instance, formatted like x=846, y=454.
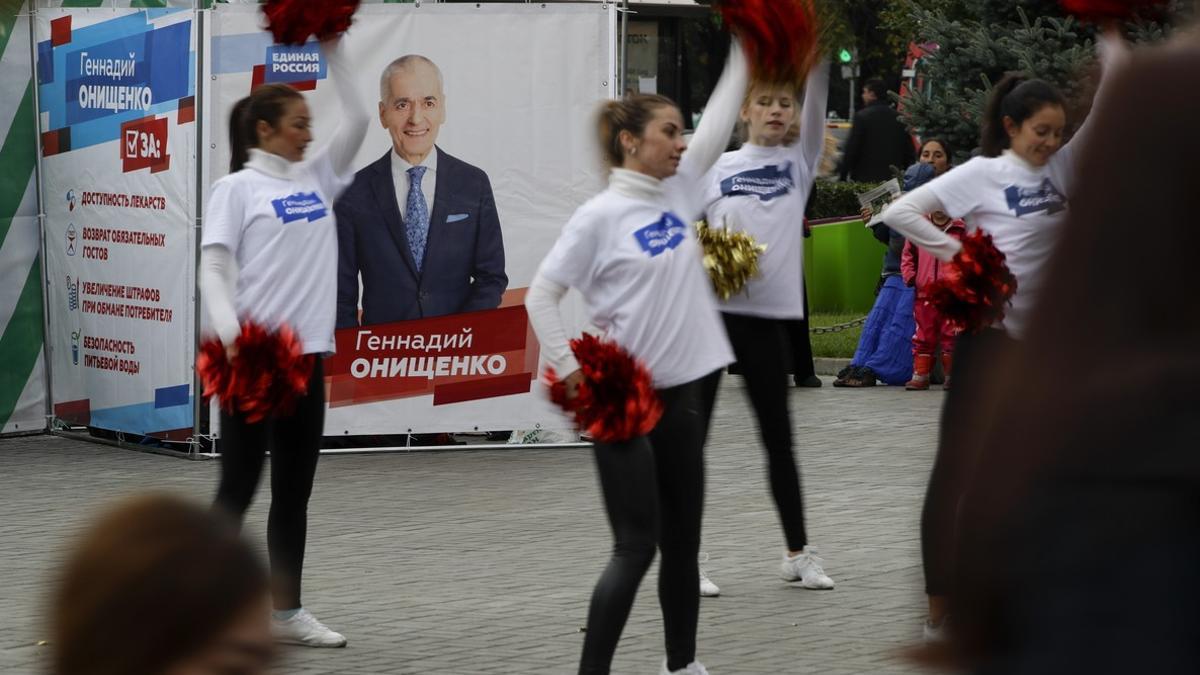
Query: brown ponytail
x=265, y=103
x=631, y=114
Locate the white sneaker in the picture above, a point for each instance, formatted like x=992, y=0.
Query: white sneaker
x=707, y=588
x=693, y=668
x=806, y=568
x=304, y=629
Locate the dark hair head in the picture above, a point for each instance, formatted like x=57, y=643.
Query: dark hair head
x=155, y=580
x=631, y=114
x=945, y=147
x=265, y=103
x=1019, y=98
x=876, y=86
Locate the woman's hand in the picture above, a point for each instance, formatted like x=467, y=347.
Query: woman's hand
x=866, y=214
x=572, y=382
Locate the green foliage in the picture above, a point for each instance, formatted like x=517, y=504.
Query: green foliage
x=831, y=199
x=979, y=41
x=900, y=18
x=855, y=25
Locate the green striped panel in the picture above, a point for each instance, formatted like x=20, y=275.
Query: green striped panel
x=21, y=338
x=21, y=343
x=18, y=156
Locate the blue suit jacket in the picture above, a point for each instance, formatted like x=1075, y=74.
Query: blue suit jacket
x=463, y=269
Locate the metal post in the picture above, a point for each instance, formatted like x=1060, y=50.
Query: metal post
x=41, y=218
x=853, y=91
x=621, y=66
x=201, y=58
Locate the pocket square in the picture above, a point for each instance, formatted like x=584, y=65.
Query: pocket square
x=455, y=217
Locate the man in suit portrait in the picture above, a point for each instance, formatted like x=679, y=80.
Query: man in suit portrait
x=417, y=225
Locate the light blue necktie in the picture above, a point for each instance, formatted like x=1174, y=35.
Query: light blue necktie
x=416, y=216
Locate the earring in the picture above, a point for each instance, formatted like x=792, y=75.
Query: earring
x=633, y=151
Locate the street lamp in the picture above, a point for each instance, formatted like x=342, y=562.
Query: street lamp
x=850, y=71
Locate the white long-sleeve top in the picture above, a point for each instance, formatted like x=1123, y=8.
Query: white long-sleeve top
x=763, y=191
x=631, y=253
x=1020, y=205
x=269, y=242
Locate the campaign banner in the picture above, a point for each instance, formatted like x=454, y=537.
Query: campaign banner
x=433, y=335
x=116, y=95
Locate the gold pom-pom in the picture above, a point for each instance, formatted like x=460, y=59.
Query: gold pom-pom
x=731, y=258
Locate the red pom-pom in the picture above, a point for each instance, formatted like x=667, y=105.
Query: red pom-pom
x=617, y=400
x=780, y=36
x=976, y=286
x=293, y=21
x=1105, y=10
x=267, y=376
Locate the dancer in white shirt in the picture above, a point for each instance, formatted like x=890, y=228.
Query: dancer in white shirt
x=762, y=189
x=632, y=254
x=269, y=255
x=1018, y=192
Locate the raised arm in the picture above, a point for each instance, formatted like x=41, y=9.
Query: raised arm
x=334, y=159
x=1112, y=52
x=721, y=113
x=812, y=117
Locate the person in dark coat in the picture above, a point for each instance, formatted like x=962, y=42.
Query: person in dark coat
x=879, y=144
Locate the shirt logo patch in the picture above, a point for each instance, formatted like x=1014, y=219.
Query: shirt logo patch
x=766, y=183
x=300, y=206
x=662, y=236
x=1024, y=201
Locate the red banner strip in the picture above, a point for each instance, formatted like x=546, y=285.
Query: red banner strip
x=76, y=412
x=506, y=385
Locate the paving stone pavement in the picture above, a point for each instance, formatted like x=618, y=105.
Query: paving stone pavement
x=482, y=562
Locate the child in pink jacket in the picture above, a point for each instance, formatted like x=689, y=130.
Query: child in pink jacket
x=920, y=269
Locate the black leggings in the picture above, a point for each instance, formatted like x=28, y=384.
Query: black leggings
x=654, y=493
x=800, y=343
x=295, y=444
x=956, y=454
x=761, y=347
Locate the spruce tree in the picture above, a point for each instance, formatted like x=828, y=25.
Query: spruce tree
x=982, y=41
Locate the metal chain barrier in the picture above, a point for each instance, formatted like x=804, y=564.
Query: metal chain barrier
x=837, y=328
